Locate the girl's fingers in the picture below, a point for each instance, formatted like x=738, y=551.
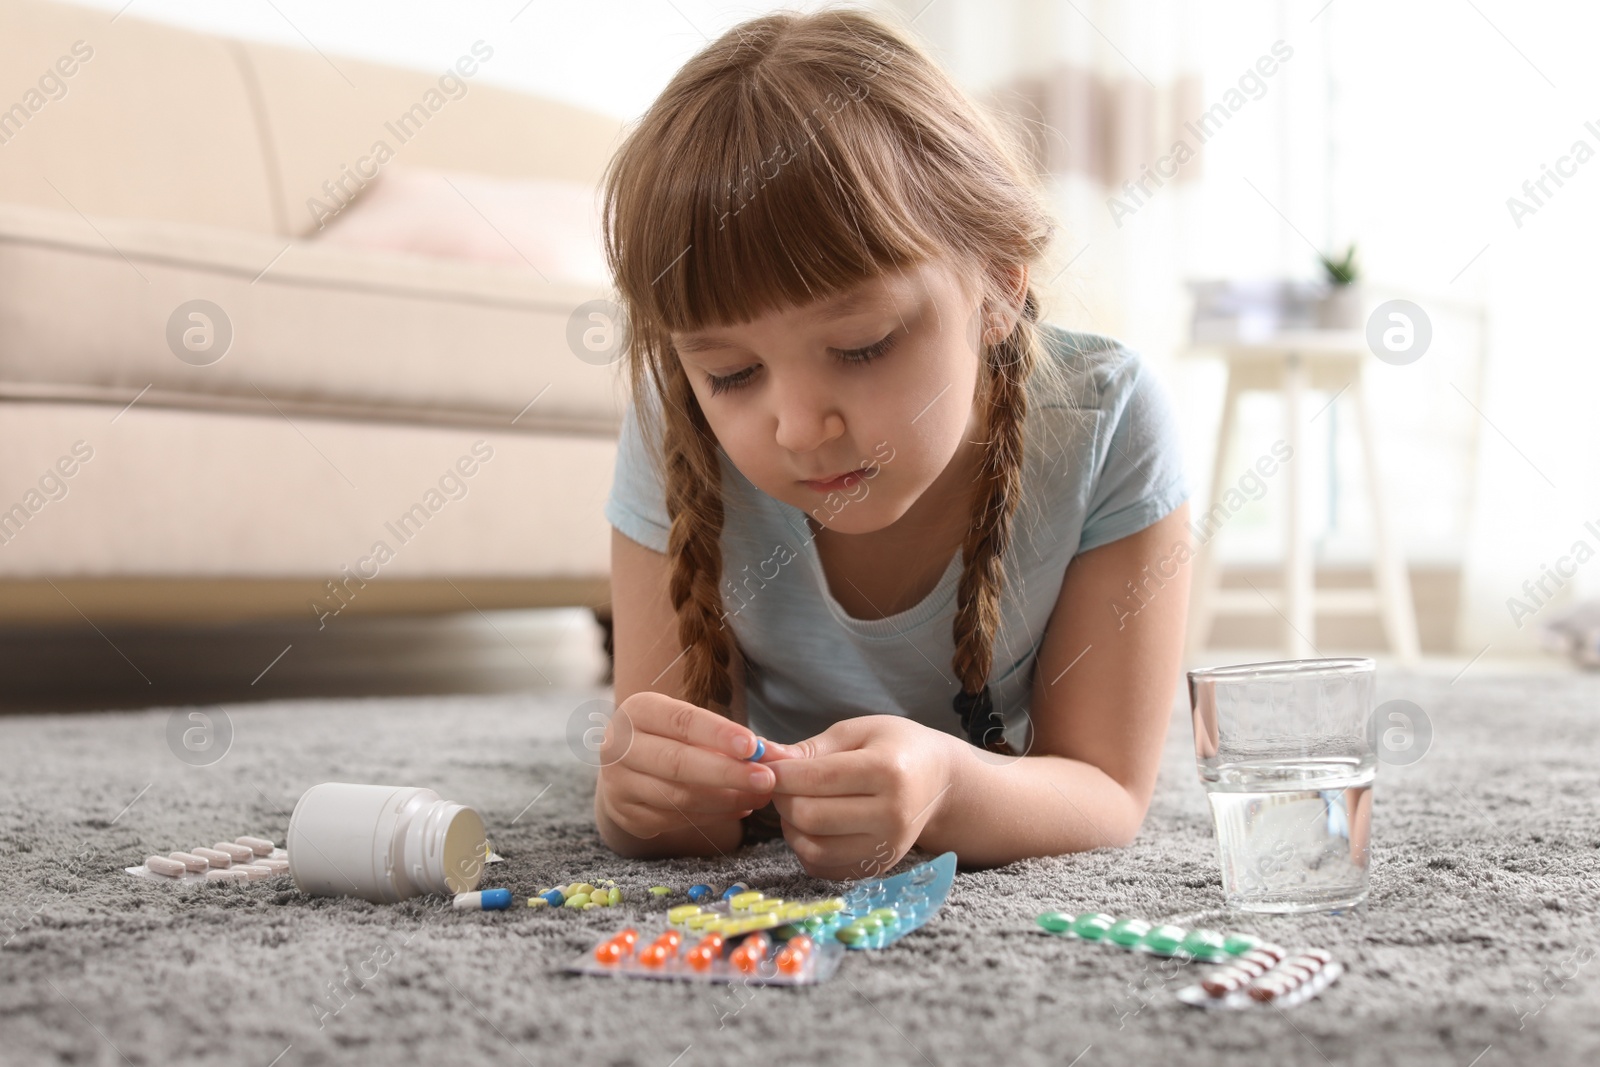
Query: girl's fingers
x=642, y=820
x=847, y=857
x=777, y=751
x=826, y=816
x=840, y=774
x=688, y=799
x=662, y=757
x=690, y=724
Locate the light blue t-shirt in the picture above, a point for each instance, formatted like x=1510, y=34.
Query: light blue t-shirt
x=1100, y=462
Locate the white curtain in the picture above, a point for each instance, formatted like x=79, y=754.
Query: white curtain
x=1403, y=128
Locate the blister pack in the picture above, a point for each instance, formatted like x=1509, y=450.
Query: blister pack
x=750, y=937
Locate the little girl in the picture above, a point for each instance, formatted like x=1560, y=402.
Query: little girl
x=867, y=507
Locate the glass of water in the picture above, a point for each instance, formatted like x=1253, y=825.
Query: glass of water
x=1287, y=754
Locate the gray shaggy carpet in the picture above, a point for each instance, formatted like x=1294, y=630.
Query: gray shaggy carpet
x=1474, y=949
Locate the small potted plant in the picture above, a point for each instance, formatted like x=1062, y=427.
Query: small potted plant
x=1340, y=306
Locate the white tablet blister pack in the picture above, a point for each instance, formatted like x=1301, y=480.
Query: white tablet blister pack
x=244, y=859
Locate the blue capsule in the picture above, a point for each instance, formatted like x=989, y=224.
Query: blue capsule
x=697, y=893
x=761, y=748
x=556, y=897
x=484, y=900
x=734, y=890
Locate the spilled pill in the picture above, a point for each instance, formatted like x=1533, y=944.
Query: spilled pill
x=698, y=893
x=259, y=845
x=483, y=900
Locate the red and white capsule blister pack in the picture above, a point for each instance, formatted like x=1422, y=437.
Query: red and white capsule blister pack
x=244, y=859
x=1265, y=975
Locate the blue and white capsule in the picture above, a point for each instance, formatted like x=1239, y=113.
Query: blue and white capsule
x=484, y=900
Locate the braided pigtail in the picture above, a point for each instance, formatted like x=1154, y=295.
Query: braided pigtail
x=1008, y=366
x=694, y=503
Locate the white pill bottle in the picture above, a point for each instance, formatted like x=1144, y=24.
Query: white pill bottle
x=383, y=843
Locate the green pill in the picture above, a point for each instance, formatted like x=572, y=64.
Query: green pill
x=887, y=916
x=1128, y=932
x=1057, y=922
x=615, y=895
x=660, y=891
x=1164, y=940
x=1204, y=944
x=870, y=923
x=850, y=934
x=1239, y=944
x=577, y=900
x=1092, y=925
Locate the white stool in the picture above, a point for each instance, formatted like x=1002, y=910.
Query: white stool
x=1294, y=363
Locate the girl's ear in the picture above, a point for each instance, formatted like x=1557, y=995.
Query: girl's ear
x=999, y=322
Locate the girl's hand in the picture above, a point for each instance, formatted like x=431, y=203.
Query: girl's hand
x=666, y=764
x=855, y=798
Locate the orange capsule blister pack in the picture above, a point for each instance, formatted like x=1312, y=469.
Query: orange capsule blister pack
x=755, y=958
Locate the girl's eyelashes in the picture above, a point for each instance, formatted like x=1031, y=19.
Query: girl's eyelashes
x=851, y=356
x=732, y=381
x=868, y=354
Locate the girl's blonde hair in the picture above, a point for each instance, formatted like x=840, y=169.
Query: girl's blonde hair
x=797, y=156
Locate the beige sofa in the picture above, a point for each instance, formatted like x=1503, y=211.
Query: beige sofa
x=430, y=405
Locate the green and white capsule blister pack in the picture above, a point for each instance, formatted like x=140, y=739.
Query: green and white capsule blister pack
x=1254, y=973
x=1141, y=935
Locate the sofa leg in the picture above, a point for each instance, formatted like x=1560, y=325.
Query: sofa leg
x=602, y=615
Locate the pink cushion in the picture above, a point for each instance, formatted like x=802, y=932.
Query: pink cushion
x=544, y=224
